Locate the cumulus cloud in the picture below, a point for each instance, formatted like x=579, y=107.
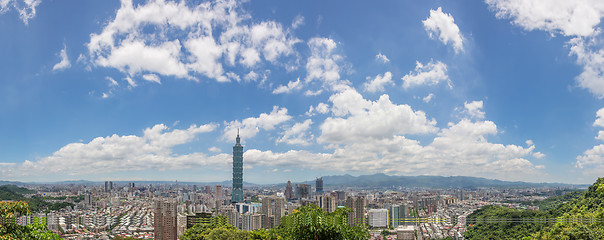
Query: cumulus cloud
x=171, y=38
x=463, y=147
x=152, y=150
x=442, y=25
x=382, y=58
x=356, y=118
x=570, y=18
x=430, y=74
x=592, y=77
x=321, y=108
x=249, y=127
x=298, y=134
x=593, y=159
x=64, y=63
x=290, y=87
x=322, y=65
x=378, y=83
x=474, y=109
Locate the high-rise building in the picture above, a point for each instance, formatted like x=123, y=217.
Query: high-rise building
x=319, y=185
x=165, y=220
x=87, y=199
x=273, y=209
x=302, y=191
x=378, y=218
x=327, y=203
x=398, y=215
x=237, y=195
x=110, y=186
x=106, y=186
x=218, y=192
x=357, y=216
x=289, y=192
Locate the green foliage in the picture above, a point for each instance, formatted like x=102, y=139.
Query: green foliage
x=202, y=231
x=385, y=232
x=308, y=222
x=36, y=204
x=483, y=229
x=578, y=215
x=10, y=230
x=582, y=218
x=311, y=222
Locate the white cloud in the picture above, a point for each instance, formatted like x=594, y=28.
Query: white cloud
x=570, y=18
x=290, y=87
x=579, y=19
x=474, y=109
x=379, y=82
x=178, y=39
x=529, y=142
x=599, y=118
x=112, y=81
x=152, y=78
x=356, y=118
x=214, y=149
x=442, y=25
x=322, y=65
x=298, y=21
x=429, y=74
x=321, y=108
x=298, y=134
x=313, y=93
x=462, y=147
x=382, y=58
x=251, y=76
x=592, y=77
x=428, y=98
x=131, y=82
x=249, y=127
x=152, y=150
x=64, y=63
x=591, y=158
x=26, y=8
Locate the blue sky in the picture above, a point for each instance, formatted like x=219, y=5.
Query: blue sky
x=156, y=90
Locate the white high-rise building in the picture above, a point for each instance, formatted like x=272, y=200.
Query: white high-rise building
x=378, y=218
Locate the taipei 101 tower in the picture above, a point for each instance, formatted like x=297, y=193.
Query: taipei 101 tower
x=237, y=195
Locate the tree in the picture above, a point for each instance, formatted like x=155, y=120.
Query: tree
x=311, y=222
x=11, y=230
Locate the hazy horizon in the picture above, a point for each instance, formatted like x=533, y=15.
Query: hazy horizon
x=126, y=89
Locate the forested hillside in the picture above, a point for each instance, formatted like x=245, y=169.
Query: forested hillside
x=571, y=216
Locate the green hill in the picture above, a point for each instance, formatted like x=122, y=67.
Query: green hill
x=575, y=215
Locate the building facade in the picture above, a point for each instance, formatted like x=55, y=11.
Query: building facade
x=165, y=220
x=237, y=195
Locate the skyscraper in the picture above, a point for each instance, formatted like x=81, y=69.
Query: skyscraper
x=237, y=171
x=319, y=185
x=273, y=209
x=289, y=192
x=165, y=220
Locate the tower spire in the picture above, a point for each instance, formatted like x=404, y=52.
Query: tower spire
x=238, y=139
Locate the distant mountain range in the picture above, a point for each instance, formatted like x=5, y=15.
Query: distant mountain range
x=381, y=180
x=378, y=180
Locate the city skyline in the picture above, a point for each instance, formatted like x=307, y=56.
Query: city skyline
x=157, y=90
